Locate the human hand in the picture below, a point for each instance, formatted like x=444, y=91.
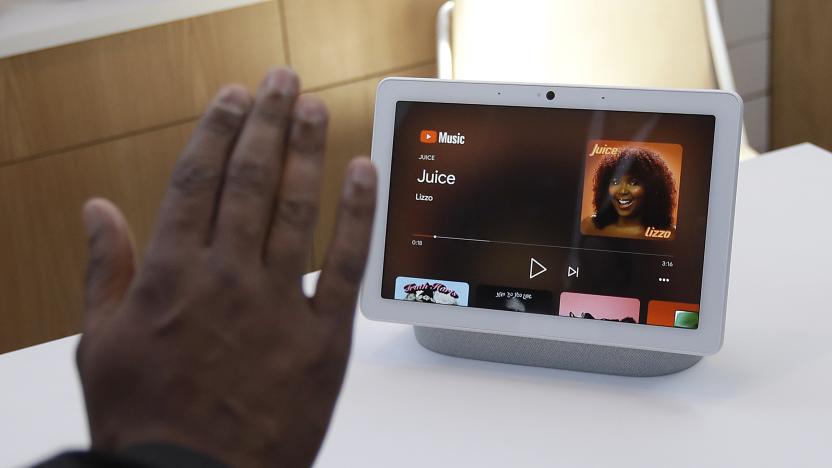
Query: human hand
x=211, y=343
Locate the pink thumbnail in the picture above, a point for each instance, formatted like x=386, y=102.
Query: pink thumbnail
x=599, y=307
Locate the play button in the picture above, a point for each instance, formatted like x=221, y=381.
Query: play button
x=535, y=268
x=427, y=136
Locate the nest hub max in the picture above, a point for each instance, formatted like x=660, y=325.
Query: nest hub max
x=574, y=227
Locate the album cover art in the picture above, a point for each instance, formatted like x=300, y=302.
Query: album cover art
x=597, y=307
x=631, y=189
x=431, y=291
x=515, y=299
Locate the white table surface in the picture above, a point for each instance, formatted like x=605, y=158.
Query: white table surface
x=764, y=400
x=29, y=25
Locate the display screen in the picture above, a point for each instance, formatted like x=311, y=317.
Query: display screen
x=573, y=213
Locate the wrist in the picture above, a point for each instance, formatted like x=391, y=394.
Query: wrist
x=169, y=455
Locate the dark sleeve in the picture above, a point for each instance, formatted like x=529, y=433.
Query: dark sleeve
x=140, y=456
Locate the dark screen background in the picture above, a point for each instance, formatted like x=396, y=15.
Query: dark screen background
x=519, y=179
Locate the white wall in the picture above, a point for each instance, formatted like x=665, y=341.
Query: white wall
x=747, y=28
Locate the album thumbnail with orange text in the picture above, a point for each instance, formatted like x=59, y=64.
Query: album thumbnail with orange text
x=631, y=189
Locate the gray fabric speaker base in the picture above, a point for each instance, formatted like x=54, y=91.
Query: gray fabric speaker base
x=553, y=354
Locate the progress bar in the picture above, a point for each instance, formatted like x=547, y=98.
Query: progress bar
x=488, y=241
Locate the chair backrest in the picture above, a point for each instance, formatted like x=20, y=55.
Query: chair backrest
x=651, y=43
x=583, y=41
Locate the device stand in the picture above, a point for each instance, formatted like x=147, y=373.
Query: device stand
x=553, y=354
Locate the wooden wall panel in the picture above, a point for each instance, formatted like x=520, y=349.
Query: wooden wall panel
x=350, y=134
x=331, y=41
x=108, y=117
x=76, y=94
x=801, y=67
x=42, y=242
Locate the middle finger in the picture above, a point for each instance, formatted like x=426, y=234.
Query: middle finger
x=253, y=171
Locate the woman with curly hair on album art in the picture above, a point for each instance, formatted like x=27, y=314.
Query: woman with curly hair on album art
x=633, y=196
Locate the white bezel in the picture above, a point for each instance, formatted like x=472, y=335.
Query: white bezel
x=707, y=339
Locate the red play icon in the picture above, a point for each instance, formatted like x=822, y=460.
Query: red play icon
x=427, y=136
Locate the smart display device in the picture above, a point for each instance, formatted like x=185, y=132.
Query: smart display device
x=578, y=227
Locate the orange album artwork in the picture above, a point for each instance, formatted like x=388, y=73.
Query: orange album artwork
x=673, y=314
x=631, y=189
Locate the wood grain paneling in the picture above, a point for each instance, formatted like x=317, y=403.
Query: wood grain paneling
x=108, y=117
x=801, y=68
x=42, y=243
x=350, y=134
x=331, y=41
x=80, y=93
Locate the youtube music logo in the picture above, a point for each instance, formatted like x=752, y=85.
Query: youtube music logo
x=432, y=136
x=427, y=136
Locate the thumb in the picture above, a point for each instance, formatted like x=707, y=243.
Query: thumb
x=111, y=260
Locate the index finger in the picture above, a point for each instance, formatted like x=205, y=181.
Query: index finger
x=344, y=267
